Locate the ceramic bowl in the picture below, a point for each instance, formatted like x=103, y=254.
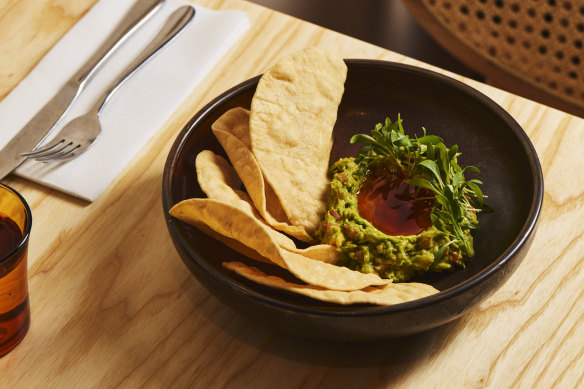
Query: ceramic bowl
x=488, y=137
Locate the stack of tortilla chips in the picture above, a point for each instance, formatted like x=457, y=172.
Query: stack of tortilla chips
x=279, y=152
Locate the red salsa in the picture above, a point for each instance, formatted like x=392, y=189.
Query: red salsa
x=386, y=200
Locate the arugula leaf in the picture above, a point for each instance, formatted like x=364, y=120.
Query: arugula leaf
x=430, y=164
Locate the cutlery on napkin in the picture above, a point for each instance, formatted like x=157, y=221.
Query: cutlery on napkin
x=39, y=126
x=138, y=109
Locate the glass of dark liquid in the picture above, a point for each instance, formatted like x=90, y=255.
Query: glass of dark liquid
x=15, y=225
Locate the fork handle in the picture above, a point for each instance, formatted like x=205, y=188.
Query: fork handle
x=173, y=25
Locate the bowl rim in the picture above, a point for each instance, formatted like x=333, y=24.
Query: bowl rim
x=526, y=231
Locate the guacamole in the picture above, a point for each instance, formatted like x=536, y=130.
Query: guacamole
x=442, y=240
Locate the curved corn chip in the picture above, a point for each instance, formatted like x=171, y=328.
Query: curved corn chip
x=293, y=113
x=232, y=131
x=234, y=223
x=381, y=295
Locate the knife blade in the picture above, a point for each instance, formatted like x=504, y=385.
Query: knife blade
x=39, y=126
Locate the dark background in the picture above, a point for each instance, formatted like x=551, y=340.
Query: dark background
x=385, y=23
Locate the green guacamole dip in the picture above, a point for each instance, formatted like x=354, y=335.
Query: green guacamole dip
x=368, y=250
x=365, y=248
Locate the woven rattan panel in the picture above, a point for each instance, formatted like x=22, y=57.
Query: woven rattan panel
x=539, y=41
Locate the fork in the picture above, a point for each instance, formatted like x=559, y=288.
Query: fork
x=81, y=132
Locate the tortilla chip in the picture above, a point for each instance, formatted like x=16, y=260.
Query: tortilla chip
x=232, y=131
x=293, y=113
x=219, y=181
x=236, y=122
x=321, y=252
x=382, y=295
x=233, y=244
x=216, y=178
x=234, y=223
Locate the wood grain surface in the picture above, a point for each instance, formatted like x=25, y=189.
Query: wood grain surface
x=114, y=306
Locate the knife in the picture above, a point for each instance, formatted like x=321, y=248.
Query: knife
x=39, y=126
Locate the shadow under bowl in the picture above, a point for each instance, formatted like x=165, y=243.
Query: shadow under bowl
x=488, y=137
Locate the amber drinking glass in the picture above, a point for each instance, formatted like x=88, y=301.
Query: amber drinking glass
x=15, y=225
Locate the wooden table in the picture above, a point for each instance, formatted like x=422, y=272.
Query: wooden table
x=114, y=306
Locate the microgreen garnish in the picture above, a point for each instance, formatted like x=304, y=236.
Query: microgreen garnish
x=430, y=164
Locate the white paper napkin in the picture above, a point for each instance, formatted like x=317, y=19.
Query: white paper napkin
x=138, y=109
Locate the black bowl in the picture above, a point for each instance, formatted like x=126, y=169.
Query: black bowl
x=488, y=138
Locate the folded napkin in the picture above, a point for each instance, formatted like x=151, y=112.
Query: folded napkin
x=138, y=109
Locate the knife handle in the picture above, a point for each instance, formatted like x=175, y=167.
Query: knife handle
x=173, y=25
x=134, y=18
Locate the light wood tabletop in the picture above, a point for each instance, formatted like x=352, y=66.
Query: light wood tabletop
x=113, y=305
